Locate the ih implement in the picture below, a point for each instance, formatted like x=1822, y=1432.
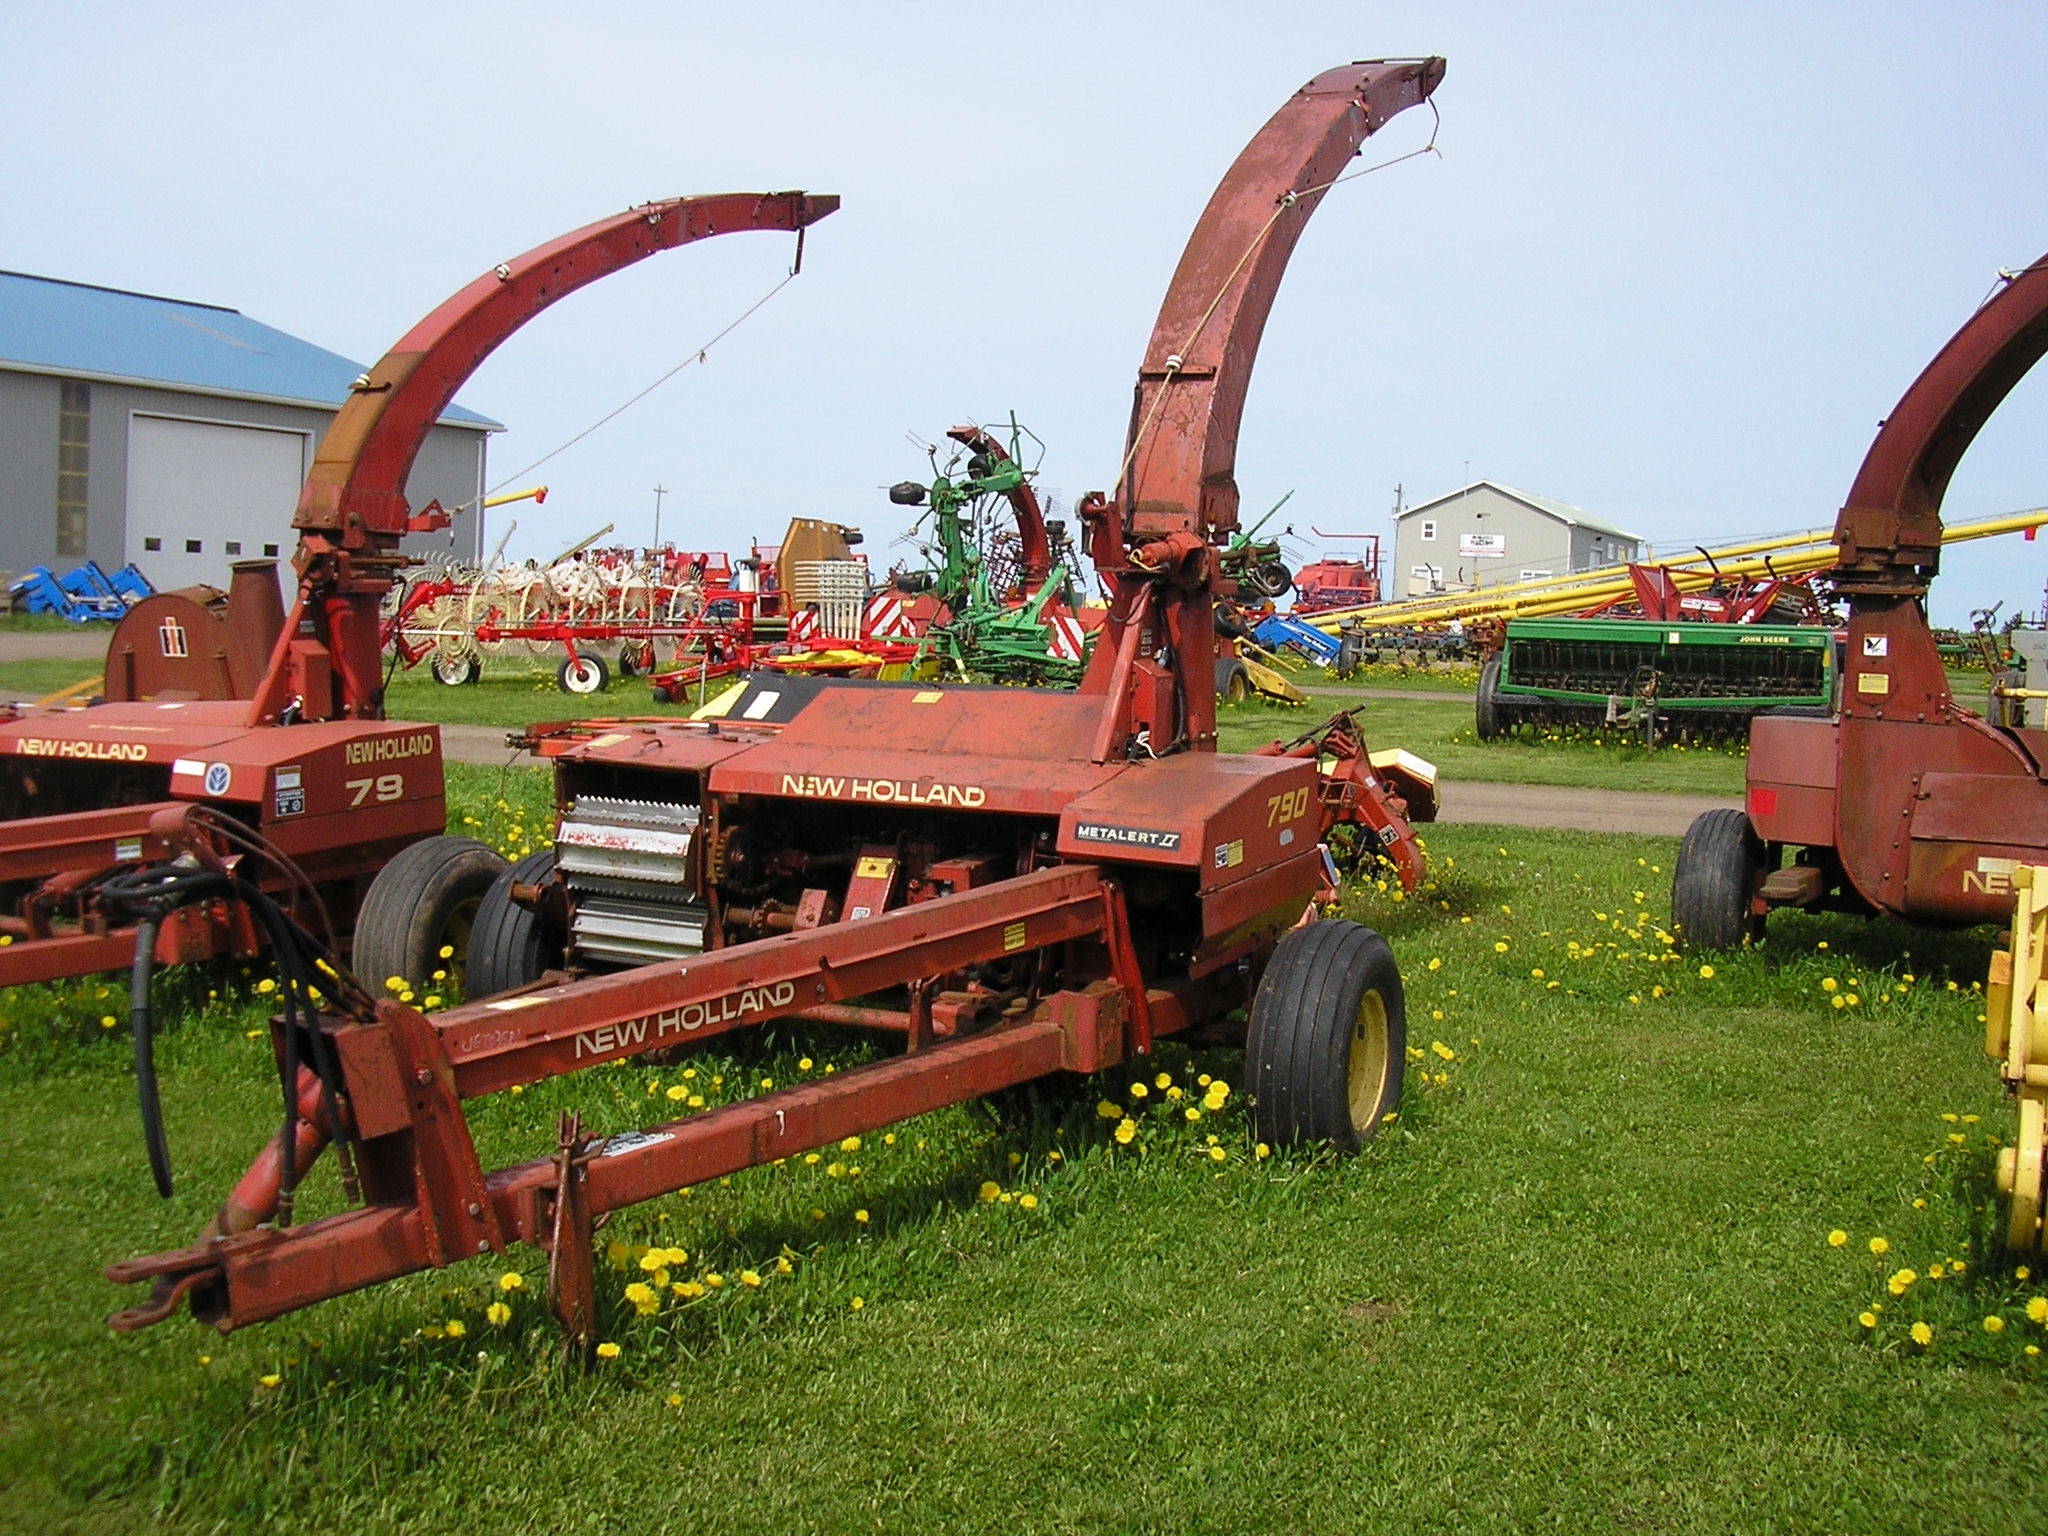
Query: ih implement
x=253, y=741
x=1014, y=882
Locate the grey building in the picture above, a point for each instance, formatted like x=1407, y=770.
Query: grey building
x=176, y=435
x=1486, y=533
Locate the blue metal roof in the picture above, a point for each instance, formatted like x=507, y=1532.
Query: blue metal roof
x=51, y=326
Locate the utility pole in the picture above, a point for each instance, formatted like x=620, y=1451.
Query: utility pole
x=659, y=492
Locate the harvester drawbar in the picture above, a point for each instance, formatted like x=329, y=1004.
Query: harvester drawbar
x=1017, y=882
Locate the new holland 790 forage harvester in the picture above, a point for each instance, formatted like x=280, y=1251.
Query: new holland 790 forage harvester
x=1018, y=882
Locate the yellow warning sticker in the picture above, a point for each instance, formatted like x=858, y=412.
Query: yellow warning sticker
x=872, y=867
x=1013, y=937
x=1879, y=683
x=927, y=696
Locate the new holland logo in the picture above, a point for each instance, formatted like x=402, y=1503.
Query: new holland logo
x=170, y=635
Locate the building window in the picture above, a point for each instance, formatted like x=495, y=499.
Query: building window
x=1429, y=533
x=74, y=441
x=234, y=546
x=152, y=546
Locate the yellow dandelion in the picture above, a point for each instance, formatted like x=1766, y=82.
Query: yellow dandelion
x=1028, y=1202
x=607, y=1350
x=858, y=1303
x=1867, y=1319
x=750, y=1278
x=1837, y=1238
x=497, y=1314
x=1880, y=1245
x=511, y=1280
x=1218, y=1155
x=1922, y=1335
x=1994, y=1324
x=1126, y=1129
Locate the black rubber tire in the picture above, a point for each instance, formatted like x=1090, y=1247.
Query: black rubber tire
x=510, y=946
x=457, y=671
x=1486, y=711
x=583, y=674
x=1719, y=865
x=1236, y=684
x=1331, y=990
x=423, y=901
x=1350, y=653
x=1269, y=579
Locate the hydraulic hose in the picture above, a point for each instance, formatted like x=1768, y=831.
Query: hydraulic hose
x=153, y=894
x=140, y=1026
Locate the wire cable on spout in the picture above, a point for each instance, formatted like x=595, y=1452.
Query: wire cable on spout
x=695, y=357
x=1175, y=360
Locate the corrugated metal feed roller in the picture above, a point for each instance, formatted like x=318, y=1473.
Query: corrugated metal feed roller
x=627, y=865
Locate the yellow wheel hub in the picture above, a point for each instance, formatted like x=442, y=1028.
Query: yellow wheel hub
x=1370, y=1061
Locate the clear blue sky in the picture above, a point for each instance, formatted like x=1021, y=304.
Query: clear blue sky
x=1675, y=262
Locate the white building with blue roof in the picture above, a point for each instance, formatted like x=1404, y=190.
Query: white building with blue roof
x=176, y=435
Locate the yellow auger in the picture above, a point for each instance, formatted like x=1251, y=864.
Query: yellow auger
x=1795, y=554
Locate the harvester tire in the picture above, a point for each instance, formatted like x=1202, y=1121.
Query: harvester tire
x=1327, y=1047
x=1719, y=865
x=510, y=945
x=457, y=671
x=1486, y=713
x=1234, y=685
x=422, y=902
x=583, y=674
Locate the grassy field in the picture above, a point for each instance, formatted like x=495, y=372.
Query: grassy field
x=1442, y=732
x=1585, y=1281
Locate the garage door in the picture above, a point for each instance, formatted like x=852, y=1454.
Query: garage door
x=202, y=495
